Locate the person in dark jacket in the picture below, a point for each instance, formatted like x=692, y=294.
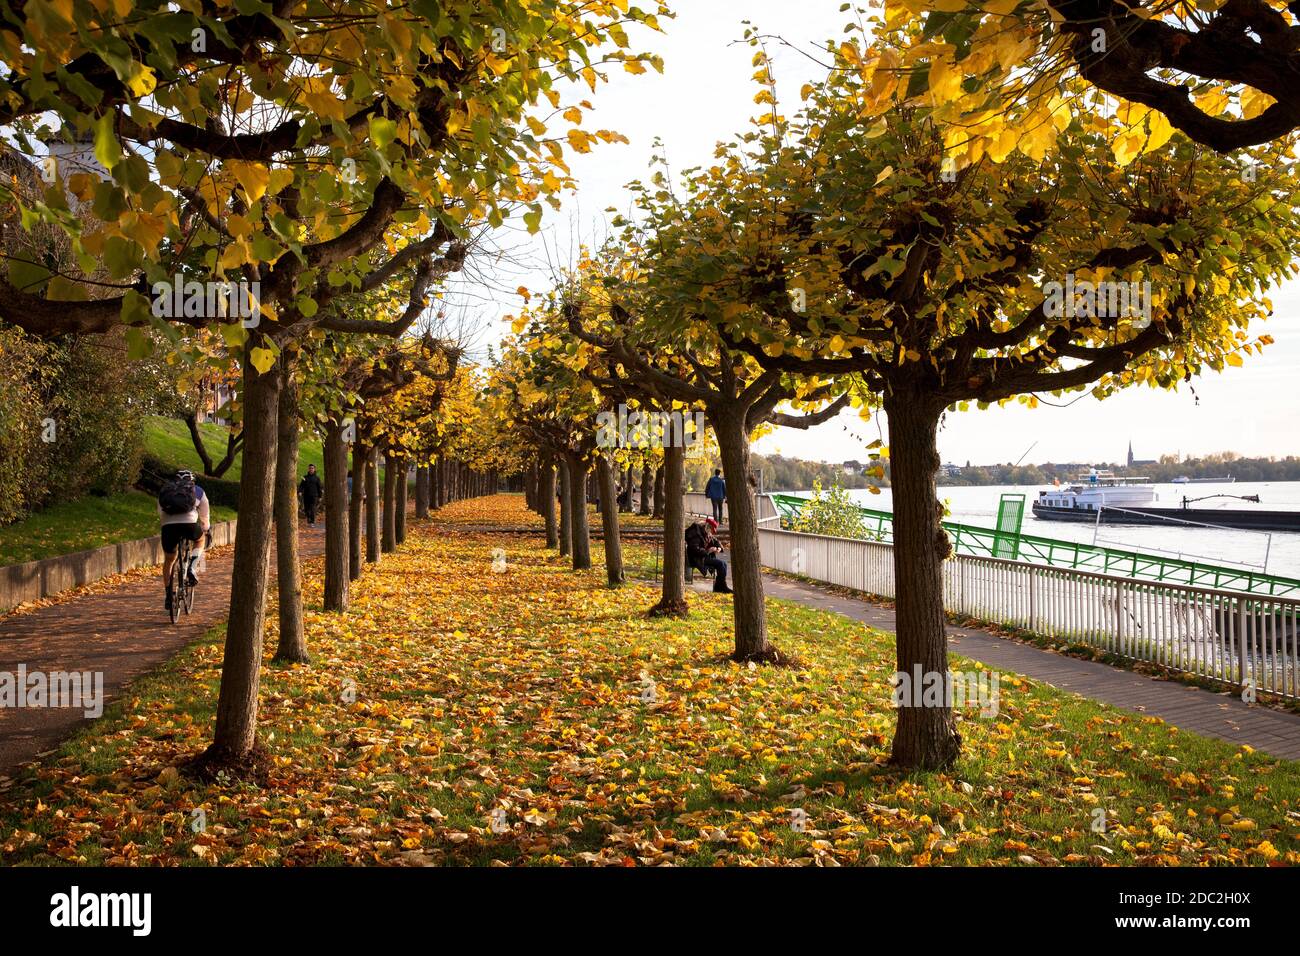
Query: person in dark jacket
x=716, y=492
x=702, y=550
x=311, y=490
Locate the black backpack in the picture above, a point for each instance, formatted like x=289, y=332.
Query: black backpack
x=695, y=538
x=177, y=497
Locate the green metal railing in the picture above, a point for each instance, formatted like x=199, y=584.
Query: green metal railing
x=1034, y=549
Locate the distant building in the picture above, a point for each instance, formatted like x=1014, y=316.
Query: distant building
x=949, y=470
x=1132, y=462
x=853, y=467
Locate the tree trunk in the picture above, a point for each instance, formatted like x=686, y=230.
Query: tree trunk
x=390, y=504
x=546, y=492
x=659, y=492
x=647, y=488
x=356, y=526
x=581, y=542
x=566, y=509
x=421, y=492
x=926, y=737
x=338, y=518
x=672, y=490
x=235, y=735
x=292, y=647
x=746, y=566
x=372, y=505
x=609, y=522
x=403, y=490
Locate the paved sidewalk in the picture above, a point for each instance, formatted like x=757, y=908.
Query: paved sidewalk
x=122, y=633
x=1210, y=714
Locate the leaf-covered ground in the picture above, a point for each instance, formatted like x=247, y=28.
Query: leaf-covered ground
x=535, y=716
x=509, y=511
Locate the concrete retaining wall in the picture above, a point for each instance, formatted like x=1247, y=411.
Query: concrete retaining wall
x=34, y=580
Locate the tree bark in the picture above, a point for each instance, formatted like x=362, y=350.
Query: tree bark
x=926, y=738
x=372, y=504
x=581, y=542
x=609, y=522
x=356, y=521
x=292, y=647
x=566, y=509
x=403, y=490
x=546, y=492
x=672, y=489
x=235, y=735
x=421, y=492
x=647, y=488
x=338, y=518
x=659, y=492
x=631, y=487
x=390, y=504
x=746, y=566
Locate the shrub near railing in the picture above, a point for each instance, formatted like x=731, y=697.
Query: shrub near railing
x=832, y=513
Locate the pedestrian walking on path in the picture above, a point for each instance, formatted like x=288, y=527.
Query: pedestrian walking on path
x=311, y=490
x=716, y=492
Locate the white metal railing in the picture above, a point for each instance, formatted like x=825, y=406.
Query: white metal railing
x=1227, y=636
x=697, y=504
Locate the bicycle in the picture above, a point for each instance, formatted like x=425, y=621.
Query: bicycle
x=182, y=590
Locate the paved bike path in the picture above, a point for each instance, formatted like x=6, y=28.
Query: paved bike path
x=121, y=633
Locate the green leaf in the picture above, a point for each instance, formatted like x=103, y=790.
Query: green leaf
x=138, y=343
x=382, y=131
x=107, y=150
x=234, y=335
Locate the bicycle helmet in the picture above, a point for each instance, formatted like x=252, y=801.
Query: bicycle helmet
x=184, y=475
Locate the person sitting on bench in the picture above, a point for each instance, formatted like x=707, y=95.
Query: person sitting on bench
x=702, y=550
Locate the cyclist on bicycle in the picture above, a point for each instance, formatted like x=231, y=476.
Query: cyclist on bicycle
x=184, y=513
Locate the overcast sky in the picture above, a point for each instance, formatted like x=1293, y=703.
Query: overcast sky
x=705, y=95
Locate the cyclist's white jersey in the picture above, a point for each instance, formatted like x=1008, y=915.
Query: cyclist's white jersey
x=197, y=515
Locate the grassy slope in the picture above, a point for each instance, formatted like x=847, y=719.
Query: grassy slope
x=92, y=522
x=523, y=692
x=84, y=524
x=168, y=439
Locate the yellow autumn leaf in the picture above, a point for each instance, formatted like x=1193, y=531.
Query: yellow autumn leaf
x=262, y=359
x=253, y=177
x=945, y=79
x=1254, y=102
x=1127, y=146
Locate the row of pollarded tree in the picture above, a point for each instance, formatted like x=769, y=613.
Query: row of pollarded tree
x=344, y=188
x=853, y=255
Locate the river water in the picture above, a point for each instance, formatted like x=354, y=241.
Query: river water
x=1274, y=552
